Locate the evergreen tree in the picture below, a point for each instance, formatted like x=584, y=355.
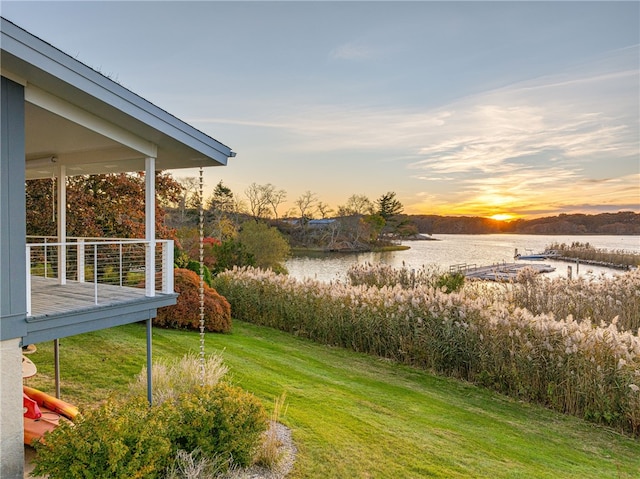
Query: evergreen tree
x=389, y=206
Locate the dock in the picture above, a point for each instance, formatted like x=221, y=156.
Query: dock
x=497, y=272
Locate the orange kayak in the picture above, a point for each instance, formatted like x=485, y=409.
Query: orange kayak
x=51, y=403
x=46, y=415
x=34, y=429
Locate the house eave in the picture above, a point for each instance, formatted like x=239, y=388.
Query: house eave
x=31, y=61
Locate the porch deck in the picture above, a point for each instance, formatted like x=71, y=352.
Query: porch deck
x=60, y=310
x=49, y=298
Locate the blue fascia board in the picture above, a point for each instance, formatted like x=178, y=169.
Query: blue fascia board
x=49, y=327
x=13, y=326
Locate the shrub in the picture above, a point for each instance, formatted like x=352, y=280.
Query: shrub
x=222, y=421
x=450, y=282
x=206, y=272
x=38, y=269
x=267, y=245
x=229, y=254
x=116, y=440
x=185, y=314
x=204, y=430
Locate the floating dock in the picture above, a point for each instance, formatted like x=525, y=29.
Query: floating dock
x=497, y=272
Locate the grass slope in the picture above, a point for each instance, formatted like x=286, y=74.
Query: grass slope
x=354, y=416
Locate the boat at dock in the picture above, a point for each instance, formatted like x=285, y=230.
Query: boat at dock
x=548, y=254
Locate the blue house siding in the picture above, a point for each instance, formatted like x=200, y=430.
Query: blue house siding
x=13, y=304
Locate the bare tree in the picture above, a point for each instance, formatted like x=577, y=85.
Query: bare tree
x=307, y=204
x=323, y=209
x=189, y=194
x=258, y=196
x=276, y=198
x=357, y=205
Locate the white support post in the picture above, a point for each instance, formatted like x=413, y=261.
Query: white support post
x=150, y=226
x=61, y=172
x=95, y=272
x=28, y=290
x=167, y=267
x=80, y=260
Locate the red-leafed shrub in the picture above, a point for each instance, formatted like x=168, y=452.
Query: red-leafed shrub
x=185, y=314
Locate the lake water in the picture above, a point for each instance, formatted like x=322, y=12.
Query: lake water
x=482, y=250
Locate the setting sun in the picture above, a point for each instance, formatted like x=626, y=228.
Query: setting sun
x=502, y=217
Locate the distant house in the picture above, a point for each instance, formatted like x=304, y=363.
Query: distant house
x=61, y=118
x=321, y=223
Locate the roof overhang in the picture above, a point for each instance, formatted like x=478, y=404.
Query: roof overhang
x=88, y=122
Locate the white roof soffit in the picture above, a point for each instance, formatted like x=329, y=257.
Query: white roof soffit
x=116, y=119
x=83, y=118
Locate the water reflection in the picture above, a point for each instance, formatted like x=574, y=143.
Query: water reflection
x=481, y=250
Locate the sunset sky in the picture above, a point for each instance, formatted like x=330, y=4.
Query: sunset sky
x=462, y=108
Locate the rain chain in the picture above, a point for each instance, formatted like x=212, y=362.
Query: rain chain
x=201, y=281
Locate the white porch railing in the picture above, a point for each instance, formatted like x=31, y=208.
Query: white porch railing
x=121, y=263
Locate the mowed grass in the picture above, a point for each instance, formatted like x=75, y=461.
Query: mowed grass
x=355, y=416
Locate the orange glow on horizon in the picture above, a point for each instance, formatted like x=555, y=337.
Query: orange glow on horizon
x=503, y=217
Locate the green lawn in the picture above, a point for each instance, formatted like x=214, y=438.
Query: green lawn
x=354, y=416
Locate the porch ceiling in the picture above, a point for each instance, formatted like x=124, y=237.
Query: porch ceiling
x=90, y=123
x=84, y=151
x=80, y=149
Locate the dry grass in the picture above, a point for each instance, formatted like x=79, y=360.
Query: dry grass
x=601, y=300
x=193, y=465
x=269, y=455
x=172, y=379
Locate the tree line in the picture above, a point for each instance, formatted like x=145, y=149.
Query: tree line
x=358, y=225
x=239, y=230
x=251, y=229
x=620, y=223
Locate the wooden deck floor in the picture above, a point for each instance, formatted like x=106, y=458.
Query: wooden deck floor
x=50, y=298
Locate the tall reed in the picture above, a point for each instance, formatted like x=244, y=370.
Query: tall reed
x=602, y=300
x=380, y=275
x=587, y=252
x=577, y=367
x=386, y=275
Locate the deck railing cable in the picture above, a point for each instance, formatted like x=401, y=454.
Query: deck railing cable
x=119, y=262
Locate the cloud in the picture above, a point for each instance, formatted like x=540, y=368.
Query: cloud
x=556, y=141
x=559, y=140
x=352, y=51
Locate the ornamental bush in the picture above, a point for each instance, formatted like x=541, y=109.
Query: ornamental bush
x=221, y=421
x=185, y=314
x=125, y=438
x=116, y=440
x=206, y=272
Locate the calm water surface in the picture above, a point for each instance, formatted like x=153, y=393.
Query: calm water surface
x=481, y=250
